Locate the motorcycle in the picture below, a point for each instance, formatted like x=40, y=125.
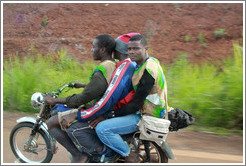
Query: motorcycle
x=31, y=141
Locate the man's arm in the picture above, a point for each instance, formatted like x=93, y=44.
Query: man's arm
x=94, y=89
x=145, y=85
x=76, y=84
x=79, y=85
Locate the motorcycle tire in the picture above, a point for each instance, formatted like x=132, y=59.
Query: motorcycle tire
x=156, y=154
x=40, y=145
x=163, y=156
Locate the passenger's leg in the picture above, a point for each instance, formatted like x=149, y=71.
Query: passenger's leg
x=109, y=132
x=62, y=137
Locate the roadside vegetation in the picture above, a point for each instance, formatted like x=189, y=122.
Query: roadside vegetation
x=213, y=94
x=40, y=73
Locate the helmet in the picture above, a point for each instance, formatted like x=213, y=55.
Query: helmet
x=37, y=100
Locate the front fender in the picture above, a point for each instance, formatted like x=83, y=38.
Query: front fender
x=32, y=120
x=43, y=127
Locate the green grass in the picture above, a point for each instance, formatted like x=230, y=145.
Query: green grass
x=212, y=93
x=40, y=73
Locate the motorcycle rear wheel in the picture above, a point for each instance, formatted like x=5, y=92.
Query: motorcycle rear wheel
x=156, y=154
x=39, y=150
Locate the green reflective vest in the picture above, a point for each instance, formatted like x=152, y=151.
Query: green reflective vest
x=107, y=67
x=154, y=102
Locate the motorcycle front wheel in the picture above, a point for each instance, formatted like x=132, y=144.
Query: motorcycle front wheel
x=39, y=147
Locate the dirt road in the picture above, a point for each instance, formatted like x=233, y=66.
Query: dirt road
x=187, y=146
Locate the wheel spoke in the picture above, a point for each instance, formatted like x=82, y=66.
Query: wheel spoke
x=38, y=149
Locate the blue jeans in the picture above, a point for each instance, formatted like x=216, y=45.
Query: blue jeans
x=109, y=132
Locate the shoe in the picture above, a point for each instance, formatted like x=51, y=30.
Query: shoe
x=109, y=159
x=133, y=157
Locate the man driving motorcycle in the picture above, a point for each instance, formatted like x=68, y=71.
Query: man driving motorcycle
x=80, y=132
x=103, y=46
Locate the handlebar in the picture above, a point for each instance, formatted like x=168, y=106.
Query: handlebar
x=37, y=99
x=62, y=88
x=58, y=91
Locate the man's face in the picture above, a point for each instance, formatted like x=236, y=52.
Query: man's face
x=117, y=54
x=137, y=52
x=96, y=50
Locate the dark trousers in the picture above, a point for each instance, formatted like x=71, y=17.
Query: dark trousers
x=84, y=137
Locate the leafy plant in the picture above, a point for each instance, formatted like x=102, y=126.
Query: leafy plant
x=45, y=22
x=219, y=33
x=187, y=38
x=202, y=40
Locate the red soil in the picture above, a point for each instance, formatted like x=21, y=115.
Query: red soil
x=73, y=26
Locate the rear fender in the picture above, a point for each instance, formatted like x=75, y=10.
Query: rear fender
x=163, y=145
x=166, y=148
x=43, y=127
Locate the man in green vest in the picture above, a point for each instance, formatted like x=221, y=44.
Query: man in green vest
x=103, y=46
x=149, y=84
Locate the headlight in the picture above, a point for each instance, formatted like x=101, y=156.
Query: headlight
x=37, y=100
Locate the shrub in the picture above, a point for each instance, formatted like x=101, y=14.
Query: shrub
x=219, y=33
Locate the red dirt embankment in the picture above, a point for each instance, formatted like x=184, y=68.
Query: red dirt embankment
x=171, y=28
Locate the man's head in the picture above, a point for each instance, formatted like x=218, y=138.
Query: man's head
x=137, y=49
x=103, y=45
x=122, y=44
